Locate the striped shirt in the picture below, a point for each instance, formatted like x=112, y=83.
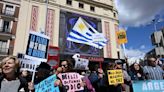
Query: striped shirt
x=154, y=73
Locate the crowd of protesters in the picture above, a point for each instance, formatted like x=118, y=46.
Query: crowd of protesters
x=94, y=80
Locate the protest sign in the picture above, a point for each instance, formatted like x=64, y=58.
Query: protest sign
x=27, y=57
x=148, y=86
x=71, y=81
x=121, y=35
x=37, y=45
x=80, y=63
x=115, y=77
x=47, y=85
x=29, y=65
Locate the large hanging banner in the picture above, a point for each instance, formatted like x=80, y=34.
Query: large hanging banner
x=71, y=81
x=47, y=85
x=148, y=86
x=37, y=45
x=115, y=77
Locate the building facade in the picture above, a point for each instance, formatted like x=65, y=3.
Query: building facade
x=56, y=19
x=9, y=13
x=157, y=39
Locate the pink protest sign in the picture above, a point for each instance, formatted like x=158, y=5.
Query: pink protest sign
x=71, y=81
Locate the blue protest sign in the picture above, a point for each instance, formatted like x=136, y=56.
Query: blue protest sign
x=47, y=85
x=37, y=45
x=148, y=86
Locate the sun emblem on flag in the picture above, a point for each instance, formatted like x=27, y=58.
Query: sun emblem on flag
x=81, y=26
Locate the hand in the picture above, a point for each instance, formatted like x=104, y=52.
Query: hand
x=138, y=75
x=31, y=86
x=115, y=84
x=57, y=82
x=100, y=75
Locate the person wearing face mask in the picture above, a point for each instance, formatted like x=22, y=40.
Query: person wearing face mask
x=10, y=81
x=152, y=70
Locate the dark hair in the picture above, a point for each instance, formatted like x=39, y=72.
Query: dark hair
x=44, y=65
x=151, y=56
x=69, y=63
x=136, y=71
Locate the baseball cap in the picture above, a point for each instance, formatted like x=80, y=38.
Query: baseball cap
x=118, y=62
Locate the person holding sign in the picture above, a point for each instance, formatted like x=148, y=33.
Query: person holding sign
x=68, y=75
x=127, y=78
x=116, y=87
x=66, y=66
x=10, y=81
x=43, y=72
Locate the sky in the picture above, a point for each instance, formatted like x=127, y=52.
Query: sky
x=136, y=17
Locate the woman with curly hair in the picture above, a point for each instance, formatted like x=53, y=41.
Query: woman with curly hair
x=136, y=72
x=10, y=81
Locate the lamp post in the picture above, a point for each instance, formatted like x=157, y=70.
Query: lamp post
x=46, y=12
x=155, y=28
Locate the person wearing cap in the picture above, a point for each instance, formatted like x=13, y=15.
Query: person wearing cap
x=152, y=70
x=42, y=72
x=127, y=78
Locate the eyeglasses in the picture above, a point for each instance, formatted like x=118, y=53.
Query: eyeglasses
x=64, y=66
x=152, y=60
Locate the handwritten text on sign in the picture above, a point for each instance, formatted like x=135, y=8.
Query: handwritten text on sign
x=47, y=85
x=81, y=63
x=148, y=86
x=115, y=77
x=29, y=65
x=71, y=81
x=37, y=45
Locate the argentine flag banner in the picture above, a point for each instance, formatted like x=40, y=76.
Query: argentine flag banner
x=84, y=33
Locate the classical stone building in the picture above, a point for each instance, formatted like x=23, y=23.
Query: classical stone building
x=56, y=19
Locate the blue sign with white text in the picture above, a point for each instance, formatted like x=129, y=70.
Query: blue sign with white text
x=37, y=45
x=148, y=86
x=47, y=85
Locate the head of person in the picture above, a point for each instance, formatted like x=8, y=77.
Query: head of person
x=10, y=66
x=43, y=71
x=151, y=60
x=135, y=67
x=83, y=73
x=111, y=66
x=66, y=65
x=25, y=73
x=119, y=64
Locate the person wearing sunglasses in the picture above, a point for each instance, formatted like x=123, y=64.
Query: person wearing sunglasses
x=152, y=70
x=66, y=66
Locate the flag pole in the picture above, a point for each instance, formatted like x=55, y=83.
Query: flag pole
x=124, y=49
